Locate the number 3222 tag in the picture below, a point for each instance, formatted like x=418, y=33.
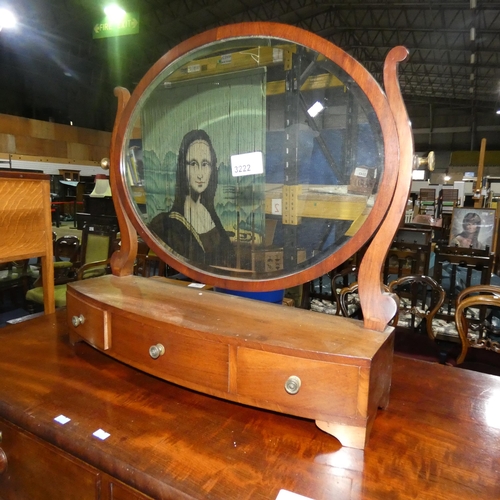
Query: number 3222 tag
x=247, y=164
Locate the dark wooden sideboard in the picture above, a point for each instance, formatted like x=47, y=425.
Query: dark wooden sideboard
x=437, y=440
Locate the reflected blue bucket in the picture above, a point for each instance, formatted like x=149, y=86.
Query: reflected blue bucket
x=274, y=296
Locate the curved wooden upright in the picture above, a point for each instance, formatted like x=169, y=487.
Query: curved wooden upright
x=332, y=370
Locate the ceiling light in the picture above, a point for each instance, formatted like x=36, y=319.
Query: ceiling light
x=7, y=19
x=315, y=109
x=472, y=34
x=498, y=111
x=114, y=13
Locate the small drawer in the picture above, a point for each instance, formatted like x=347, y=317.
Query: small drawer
x=88, y=322
x=323, y=387
x=186, y=360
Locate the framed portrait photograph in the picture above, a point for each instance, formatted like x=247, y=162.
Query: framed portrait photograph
x=473, y=228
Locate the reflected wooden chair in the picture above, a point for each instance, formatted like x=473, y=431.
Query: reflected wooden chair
x=457, y=269
x=477, y=319
x=149, y=265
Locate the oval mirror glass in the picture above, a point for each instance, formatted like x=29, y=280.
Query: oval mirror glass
x=253, y=159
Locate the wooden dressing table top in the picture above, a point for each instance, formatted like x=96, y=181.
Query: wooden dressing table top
x=439, y=438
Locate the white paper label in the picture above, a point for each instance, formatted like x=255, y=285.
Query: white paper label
x=99, y=433
x=196, y=285
x=194, y=68
x=247, y=164
x=277, y=55
x=288, y=495
x=62, y=419
x=226, y=58
x=276, y=208
x=360, y=172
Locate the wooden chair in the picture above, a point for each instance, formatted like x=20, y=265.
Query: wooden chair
x=420, y=297
x=66, y=256
x=67, y=249
x=96, y=249
x=406, y=259
x=349, y=302
x=477, y=319
x=26, y=225
x=327, y=298
x=457, y=269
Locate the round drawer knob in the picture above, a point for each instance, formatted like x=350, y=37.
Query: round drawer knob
x=292, y=385
x=155, y=351
x=3, y=461
x=78, y=320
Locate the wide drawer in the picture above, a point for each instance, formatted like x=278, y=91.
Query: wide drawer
x=325, y=388
x=187, y=359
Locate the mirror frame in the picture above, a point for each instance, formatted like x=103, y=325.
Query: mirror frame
x=375, y=95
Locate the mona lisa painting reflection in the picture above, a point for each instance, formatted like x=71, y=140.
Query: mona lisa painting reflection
x=192, y=227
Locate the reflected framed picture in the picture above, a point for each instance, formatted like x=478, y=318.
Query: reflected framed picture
x=473, y=228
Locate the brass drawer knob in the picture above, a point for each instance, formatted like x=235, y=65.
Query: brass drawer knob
x=3, y=461
x=292, y=385
x=157, y=350
x=78, y=320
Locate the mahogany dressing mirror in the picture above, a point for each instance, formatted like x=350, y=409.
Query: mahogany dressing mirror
x=255, y=157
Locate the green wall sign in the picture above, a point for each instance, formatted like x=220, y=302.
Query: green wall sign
x=129, y=25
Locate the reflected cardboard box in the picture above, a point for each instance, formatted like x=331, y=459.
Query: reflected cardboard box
x=271, y=259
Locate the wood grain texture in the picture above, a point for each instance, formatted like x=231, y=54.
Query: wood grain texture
x=380, y=307
x=26, y=224
x=218, y=344
x=438, y=439
x=122, y=261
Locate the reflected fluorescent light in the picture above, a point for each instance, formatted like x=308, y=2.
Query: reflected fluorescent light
x=7, y=19
x=114, y=13
x=315, y=109
x=447, y=177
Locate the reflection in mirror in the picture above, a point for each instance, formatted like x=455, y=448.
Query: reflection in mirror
x=254, y=158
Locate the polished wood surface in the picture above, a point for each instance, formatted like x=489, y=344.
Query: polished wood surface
x=438, y=439
x=343, y=370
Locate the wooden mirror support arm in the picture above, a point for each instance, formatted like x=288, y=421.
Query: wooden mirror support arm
x=122, y=261
x=379, y=307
